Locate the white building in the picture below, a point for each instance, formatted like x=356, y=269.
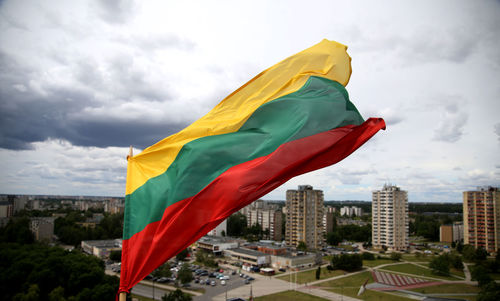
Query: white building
x=351, y=211
x=390, y=222
x=220, y=230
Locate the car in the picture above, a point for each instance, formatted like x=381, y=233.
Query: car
x=282, y=270
x=223, y=282
x=247, y=281
x=204, y=273
x=224, y=277
x=241, y=274
x=212, y=275
x=196, y=280
x=233, y=273
x=251, y=278
x=212, y=283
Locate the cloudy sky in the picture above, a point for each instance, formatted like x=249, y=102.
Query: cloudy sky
x=80, y=81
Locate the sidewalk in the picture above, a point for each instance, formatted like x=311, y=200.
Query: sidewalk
x=325, y=294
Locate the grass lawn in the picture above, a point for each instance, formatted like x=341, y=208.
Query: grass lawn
x=421, y=258
x=409, y=268
x=453, y=271
x=310, y=275
x=289, y=295
x=349, y=286
x=494, y=276
x=377, y=262
x=448, y=288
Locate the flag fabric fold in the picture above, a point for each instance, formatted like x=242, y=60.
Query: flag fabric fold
x=292, y=118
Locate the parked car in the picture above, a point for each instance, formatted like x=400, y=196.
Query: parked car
x=282, y=270
x=212, y=283
x=223, y=282
x=247, y=281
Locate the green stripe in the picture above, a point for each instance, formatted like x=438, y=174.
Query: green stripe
x=320, y=105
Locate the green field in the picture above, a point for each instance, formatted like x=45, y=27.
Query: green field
x=377, y=262
x=310, y=275
x=289, y=295
x=448, y=288
x=421, y=258
x=408, y=268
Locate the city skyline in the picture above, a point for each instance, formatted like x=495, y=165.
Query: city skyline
x=80, y=82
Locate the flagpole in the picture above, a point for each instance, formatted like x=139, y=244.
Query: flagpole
x=123, y=296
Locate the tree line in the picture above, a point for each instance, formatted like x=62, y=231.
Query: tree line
x=33, y=271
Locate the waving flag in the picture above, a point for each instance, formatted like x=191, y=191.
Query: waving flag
x=292, y=118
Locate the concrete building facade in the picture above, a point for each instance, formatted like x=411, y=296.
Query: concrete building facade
x=482, y=218
x=304, y=218
x=451, y=233
x=390, y=222
x=267, y=215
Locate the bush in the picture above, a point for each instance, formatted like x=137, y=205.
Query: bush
x=347, y=262
x=368, y=256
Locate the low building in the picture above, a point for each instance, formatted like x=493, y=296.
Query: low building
x=267, y=248
x=216, y=244
x=101, y=248
x=248, y=256
x=451, y=233
x=294, y=261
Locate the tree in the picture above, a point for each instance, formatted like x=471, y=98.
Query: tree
x=182, y=255
x=480, y=274
x=347, y=262
x=489, y=292
x=333, y=238
x=368, y=256
x=185, y=275
x=396, y=256
x=318, y=272
x=469, y=252
x=163, y=271
x=176, y=295
x=302, y=246
x=33, y=294
x=440, y=266
x=115, y=255
x=236, y=224
x=480, y=254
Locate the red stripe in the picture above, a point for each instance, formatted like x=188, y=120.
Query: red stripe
x=186, y=221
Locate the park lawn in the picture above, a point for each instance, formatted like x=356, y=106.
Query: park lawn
x=408, y=268
x=453, y=271
x=289, y=295
x=494, y=276
x=310, y=275
x=349, y=286
x=377, y=262
x=421, y=258
x=448, y=288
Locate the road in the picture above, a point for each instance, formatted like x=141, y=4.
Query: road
x=147, y=291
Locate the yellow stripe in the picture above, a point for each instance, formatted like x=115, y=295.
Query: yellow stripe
x=326, y=59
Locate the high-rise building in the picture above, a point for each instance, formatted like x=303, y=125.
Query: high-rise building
x=269, y=216
x=351, y=211
x=304, y=218
x=482, y=218
x=390, y=223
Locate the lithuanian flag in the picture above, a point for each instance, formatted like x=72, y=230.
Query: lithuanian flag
x=292, y=118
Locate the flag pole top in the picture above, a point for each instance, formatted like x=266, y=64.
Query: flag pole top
x=130, y=153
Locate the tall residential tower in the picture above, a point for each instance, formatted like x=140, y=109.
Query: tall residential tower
x=390, y=223
x=482, y=218
x=304, y=217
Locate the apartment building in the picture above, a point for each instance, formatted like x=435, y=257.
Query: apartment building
x=390, y=223
x=351, y=211
x=267, y=215
x=482, y=218
x=304, y=218
x=451, y=233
